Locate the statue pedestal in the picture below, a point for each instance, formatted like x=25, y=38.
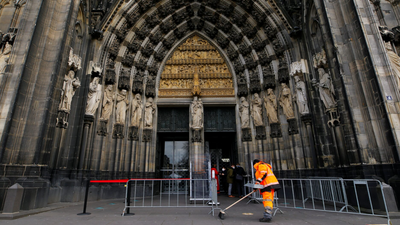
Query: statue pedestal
x=133, y=133
x=196, y=134
x=102, y=129
x=246, y=134
x=276, y=130
x=293, y=128
x=260, y=133
x=62, y=119
x=118, y=132
x=147, y=133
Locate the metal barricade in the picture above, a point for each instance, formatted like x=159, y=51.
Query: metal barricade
x=327, y=190
x=336, y=195
x=166, y=193
x=214, y=197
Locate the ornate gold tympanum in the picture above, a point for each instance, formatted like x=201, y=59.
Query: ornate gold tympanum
x=196, y=69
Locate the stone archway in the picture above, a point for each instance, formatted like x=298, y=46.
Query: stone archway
x=139, y=36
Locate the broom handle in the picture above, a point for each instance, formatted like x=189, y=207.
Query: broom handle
x=240, y=199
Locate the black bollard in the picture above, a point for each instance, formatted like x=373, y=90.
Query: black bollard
x=128, y=199
x=86, y=197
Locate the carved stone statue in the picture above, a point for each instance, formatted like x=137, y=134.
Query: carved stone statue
x=4, y=57
x=326, y=90
x=3, y=63
x=136, y=111
x=7, y=49
x=244, y=113
x=108, y=101
x=149, y=112
x=71, y=83
x=93, y=97
x=271, y=106
x=301, y=96
x=285, y=100
x=256, y=110
x=394, y=62
x=197, y=113
x=122, y=106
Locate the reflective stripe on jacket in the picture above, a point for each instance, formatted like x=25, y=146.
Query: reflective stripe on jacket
x=265, y=176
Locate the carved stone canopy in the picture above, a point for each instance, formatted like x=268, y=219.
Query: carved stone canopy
x=96, y=69
x=320, y=59
x=74, y=61
x=299, y=67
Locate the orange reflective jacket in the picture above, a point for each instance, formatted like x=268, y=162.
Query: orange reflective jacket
x=265, y=176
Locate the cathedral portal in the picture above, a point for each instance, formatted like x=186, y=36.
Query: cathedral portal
x=195, y=71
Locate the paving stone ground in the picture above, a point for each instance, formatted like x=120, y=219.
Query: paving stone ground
x=109, y=212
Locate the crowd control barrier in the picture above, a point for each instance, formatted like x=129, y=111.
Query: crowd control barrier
x=88, y=182
x=167, y=193
x=355, y=196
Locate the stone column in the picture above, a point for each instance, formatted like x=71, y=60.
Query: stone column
x=334, y=123
x=276, y=133
x=246, y=138
x=128, y=158
x=88, y=120
x=147, y=134
x=55, y=149
x=96, y=157
x=260, y=136
x=117, y=158
x=307, y=119
x=118, y=134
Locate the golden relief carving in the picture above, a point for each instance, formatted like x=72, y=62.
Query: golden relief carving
x=196, y=68
x=188, y=83
x=204, y=92
x=196, y=90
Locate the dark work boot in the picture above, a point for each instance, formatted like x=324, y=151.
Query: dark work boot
x=267, y=215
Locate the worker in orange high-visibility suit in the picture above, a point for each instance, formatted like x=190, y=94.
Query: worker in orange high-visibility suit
x=266, y=177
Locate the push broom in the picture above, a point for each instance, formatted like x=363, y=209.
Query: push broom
x=221, y=214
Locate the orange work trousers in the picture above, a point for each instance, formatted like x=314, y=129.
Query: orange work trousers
x=268, y=198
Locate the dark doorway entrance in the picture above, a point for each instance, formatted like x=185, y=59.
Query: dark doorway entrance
x=220, y=136
x=173, y=142
x=222, y=147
